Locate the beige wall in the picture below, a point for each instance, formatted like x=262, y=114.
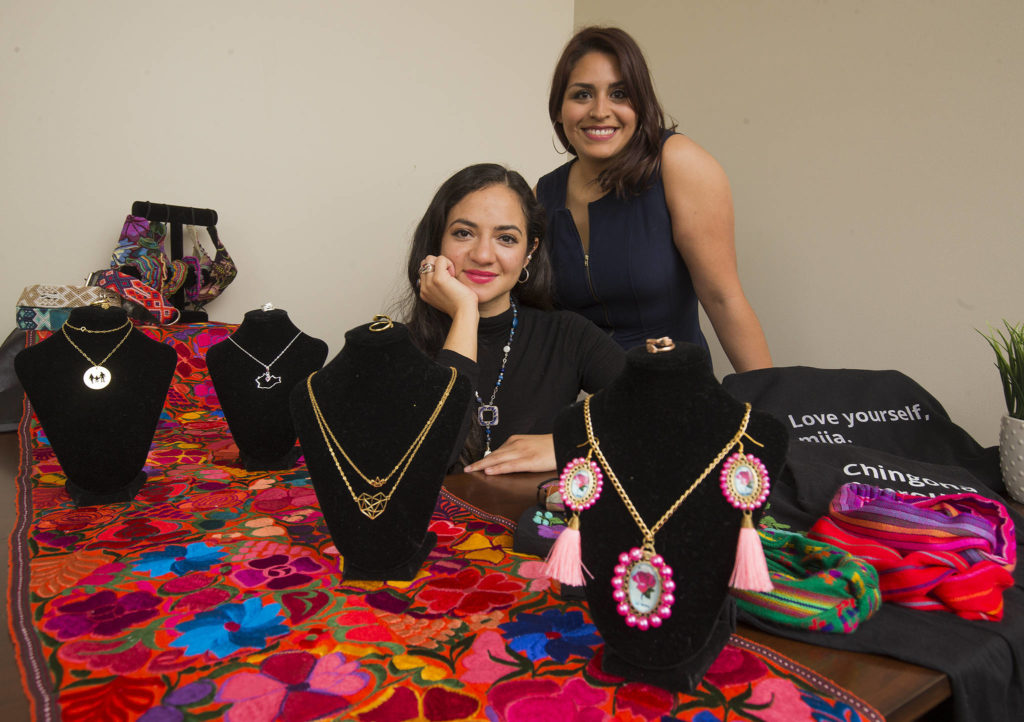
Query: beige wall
x=318, y=129
x=877, y=166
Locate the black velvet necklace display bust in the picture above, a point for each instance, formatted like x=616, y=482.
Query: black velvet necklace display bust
x=659, y=425
x=259, y=418
x=101, y=437
x=376, y=396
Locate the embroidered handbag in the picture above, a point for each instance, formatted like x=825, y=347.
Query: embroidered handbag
x=46, y=306
x=215, y=274
x=49, y=295
x=134, y=290
x=140, y=253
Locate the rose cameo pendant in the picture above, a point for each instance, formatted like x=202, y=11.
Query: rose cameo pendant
x=580, y=484
x=643, y=588
x=744, y=481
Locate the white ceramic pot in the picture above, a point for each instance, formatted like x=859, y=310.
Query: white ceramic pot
x=1011, y=456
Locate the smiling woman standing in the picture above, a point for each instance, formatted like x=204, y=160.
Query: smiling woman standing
x=479, y=276
x=640, y=222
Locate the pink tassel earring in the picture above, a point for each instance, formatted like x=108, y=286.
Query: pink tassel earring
x=745, y=484
x=580, y=486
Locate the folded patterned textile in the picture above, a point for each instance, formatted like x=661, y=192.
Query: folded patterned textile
x=954, y=552
x=817, y=586
x=32, y=318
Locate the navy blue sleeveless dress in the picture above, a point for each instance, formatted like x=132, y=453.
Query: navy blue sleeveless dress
x=633, y=283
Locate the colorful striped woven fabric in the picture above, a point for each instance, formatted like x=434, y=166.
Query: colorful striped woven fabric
x=816, y=586
x=952, y=552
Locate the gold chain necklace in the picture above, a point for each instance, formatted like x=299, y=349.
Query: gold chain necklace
x=373, y=505
x=643, y=585
x=97, y=376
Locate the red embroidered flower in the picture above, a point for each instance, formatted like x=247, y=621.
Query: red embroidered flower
x=436, y=704
x=280, y=498
x=469, y=592
x=526, y=700
x=735, y=666
x=101, y=656
x=446, y=531
x=644, y=699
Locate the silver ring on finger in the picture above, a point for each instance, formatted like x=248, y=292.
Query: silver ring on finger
x=427, y=268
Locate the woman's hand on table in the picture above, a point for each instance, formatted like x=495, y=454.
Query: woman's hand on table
x=520, y=453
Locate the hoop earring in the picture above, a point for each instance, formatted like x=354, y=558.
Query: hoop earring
x=527, y=272
x=554, y=135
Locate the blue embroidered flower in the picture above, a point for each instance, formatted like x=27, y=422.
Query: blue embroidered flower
x=180, y=560
x=551, y=634
x=230, y=627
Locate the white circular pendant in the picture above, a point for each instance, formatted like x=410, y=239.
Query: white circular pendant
x=97, y=377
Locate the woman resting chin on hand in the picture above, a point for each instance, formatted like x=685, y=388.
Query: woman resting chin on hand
x=480, y=300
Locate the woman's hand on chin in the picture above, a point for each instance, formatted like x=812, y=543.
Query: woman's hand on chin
x=521, y=453
x=440, y=289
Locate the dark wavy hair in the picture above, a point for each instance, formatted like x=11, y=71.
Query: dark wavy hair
x=427, y=325
x=630, y=171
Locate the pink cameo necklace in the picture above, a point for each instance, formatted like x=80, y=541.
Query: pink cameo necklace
x=642, y=584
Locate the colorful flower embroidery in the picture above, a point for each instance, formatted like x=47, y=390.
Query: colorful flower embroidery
x=294, y=686
x=552, y=633
x=279, y=572
x=179, y=560
x=228, y=628
x=104, y=614
x=469, y=592
x=528, y=700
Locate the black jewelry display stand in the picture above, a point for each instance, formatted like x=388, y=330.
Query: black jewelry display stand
x=659, y=425
x=260, y=419
x=101, y=437
x=376, y=396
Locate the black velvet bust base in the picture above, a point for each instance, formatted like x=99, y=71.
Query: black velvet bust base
x=101, y=437
x=260, y=420
x=659, y=424
x=376, y=396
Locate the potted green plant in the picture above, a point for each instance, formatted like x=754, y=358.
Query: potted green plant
x=1009, y=350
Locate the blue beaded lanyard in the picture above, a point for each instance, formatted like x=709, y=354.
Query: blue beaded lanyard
x=487, y=414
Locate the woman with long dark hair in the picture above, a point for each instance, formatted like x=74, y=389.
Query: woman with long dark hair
x=640, y=222
x=479, y=300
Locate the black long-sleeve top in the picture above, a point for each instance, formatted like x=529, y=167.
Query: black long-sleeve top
x=555, y=355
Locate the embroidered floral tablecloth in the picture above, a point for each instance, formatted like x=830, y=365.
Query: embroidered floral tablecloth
x=218, y=594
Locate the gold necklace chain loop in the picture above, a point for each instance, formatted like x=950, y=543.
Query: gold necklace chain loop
x=112, y=351
x=373, y=505
x=649, y=533
x=378, y=481
x=83, y=329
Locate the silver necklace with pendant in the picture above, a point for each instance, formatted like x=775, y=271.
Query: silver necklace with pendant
x=97, y=376
x=266, y=380
x=487, y=414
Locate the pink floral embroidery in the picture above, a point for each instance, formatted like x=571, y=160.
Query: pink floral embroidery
x=527, y=700
x=486, y=661
x=295, y=686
